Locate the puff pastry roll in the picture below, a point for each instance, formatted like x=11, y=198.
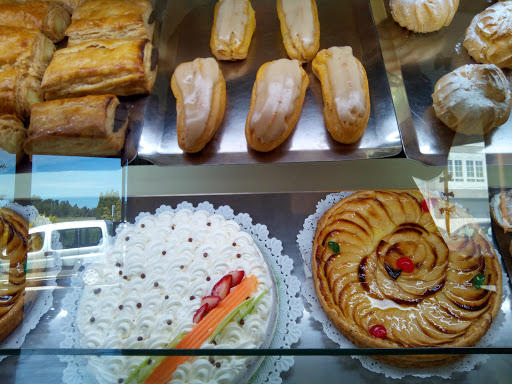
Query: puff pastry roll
x=48, y=17
x=84, y=126
x=114, y=19
x=345, y=92
x=200, y=91
x=18, y=91
x=121, y=67
x=300, y=28
x=423, y=15
x=276, y=101
x=12, y=135
x=233, y=26
x=25, y=49
x=473, y=99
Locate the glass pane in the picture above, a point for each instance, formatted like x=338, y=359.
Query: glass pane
x=67, y=237
x=90, y=237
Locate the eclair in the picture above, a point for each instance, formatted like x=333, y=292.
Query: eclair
x=276, y=101
x=345, y=93
x=233, y=26
x=200, y=91
x=300, y=28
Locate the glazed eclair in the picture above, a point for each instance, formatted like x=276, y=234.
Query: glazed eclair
x=345, y=93
x=200, y=91
x=233, y=26
x=276, y=101
x=300, y=28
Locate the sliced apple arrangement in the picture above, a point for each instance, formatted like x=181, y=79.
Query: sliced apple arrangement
x=219, y=292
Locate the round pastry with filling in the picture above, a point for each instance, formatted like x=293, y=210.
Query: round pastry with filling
x=393, y=270
x=150, y=292
x=501, y=210
x=489, y=36
x=13, y=256
x=473, y=99
x=423, y=15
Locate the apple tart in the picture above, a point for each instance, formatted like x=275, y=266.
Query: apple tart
x=389, y=274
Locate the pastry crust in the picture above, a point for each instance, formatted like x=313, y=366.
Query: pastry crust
x=48, y=17
x=121, y=67
x=13, y=248
x=12, y=135
x=501, y=210
x=345, y=93
x=233, y=26
x=69, y=5
x=200, y=91
x=435, y=304
x=85, y=126
x=300, y=28
x=25, y=49
x=423, y=16
x=489, y=36
x=276, y=102
x=18, y=92
x=114, y=19
x=473, y=99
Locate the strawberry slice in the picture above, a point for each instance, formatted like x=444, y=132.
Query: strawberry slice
x=211, y=301
x=201, y=312
x=222, y=288
x=237, y=277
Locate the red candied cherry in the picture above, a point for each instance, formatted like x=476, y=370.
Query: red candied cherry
x=405, y=264
x=378, y=331
x=424, y=206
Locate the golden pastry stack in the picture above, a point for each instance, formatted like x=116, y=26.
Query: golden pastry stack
x=394, y=270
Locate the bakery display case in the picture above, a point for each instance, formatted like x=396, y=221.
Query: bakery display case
x=156, y=229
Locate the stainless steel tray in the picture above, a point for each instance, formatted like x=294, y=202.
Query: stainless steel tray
x=414, y=63
x=185, y=35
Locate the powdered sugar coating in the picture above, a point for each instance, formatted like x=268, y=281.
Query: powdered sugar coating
x=171, y=261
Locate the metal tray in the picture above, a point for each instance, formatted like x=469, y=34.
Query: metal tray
x=185, y=35
x=414, y=63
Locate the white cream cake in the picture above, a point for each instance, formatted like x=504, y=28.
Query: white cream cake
x=152, y=284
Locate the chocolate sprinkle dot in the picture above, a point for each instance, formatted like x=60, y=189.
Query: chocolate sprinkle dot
x=155, y=284
x=139, y=305
x=121, y=307
x=208, y=278
x=242, y=322
x=234, y=244
x=164, y=253
x=97, y=290
x=238, y=255
x=209, y=224
x=125, y=277
x=120, y=273
x=143, y=276
x=217, y=364
x=172, y=227
x=189, y=239
x=92, y=319
x=120, y=381
x=118, y=264
x=139, y=338
x=211, y=360
x=205, y=254
x=142, y=226
x=127, y=238
x=166, y=297
x=182, y=266
x=214, y=342
x=150, y=362
x=192, y=297
x=169, y=322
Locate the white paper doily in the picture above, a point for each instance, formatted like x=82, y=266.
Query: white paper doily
x=44, y=298
x=467, y=363
x=290, y=305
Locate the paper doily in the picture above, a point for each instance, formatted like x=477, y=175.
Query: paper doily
x=467, y=363
x=287, y=331
x=44, y=300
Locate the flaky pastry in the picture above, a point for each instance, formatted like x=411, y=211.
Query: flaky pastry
x=12, y=135
x=489, y=36
x=200, y=91
x=345, y=93
x=18, y=92
x=276, y=101
x=423, y=15
x=233, y=26
x=473, y=99
x=300, y=28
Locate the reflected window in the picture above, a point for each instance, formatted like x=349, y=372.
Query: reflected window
x=470, y=170
x=67, y=237
x=36, y=241
x=455, y=169
x=90, y=237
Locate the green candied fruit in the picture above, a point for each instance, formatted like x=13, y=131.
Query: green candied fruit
x=478, y=280
x=334, y=246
